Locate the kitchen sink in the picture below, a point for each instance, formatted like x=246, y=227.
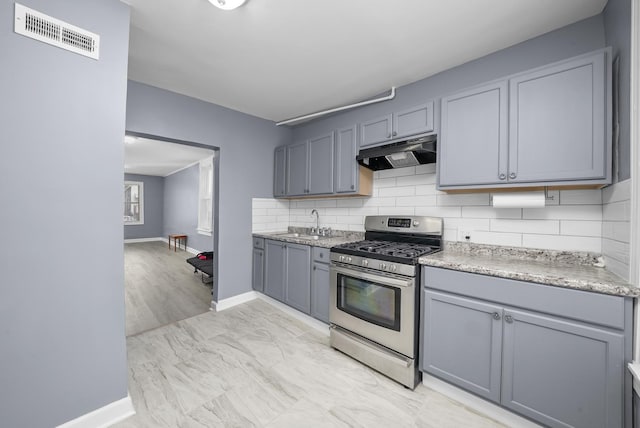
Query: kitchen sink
x=301, y=236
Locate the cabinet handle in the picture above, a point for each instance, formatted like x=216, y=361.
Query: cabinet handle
x=314, y=268
x=395, y=133
x=508, y=319
x=496, y=316
x=388, y=135
x=502, y=176
x=353, y=187
x=512, y=175
x=321, y=255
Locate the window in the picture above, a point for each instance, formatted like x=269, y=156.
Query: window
x=133, y=202
x=205, y=197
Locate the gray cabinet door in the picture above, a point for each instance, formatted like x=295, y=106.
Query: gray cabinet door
x=321, y=157
x=462, y=342
x=320, y=291
x=557, y=125
x=274, y=269
x=280, y=172
x=562, y=373
x=257, y=277
x=473, y=137
x=376, y=131
x=298, y=280
x=346, y=167
x=297, y=169
x=416, y=120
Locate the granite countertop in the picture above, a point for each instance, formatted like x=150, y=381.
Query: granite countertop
x=337, y=238
x=580, y=271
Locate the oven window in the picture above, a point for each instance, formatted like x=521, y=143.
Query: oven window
x=375, y=303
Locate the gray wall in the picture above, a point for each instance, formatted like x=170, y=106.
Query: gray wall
x=245, y=166
x=153, y=208
x=617, y=26
x=575, y=39
x=181, y=207
x=62, y=340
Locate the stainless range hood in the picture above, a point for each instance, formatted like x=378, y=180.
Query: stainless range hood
x=412, y=151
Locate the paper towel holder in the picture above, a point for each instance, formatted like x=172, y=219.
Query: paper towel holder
x=547, y=196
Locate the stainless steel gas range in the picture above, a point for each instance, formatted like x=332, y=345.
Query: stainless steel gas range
x=374, y=293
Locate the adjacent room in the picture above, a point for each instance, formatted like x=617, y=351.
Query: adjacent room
x=169, y=202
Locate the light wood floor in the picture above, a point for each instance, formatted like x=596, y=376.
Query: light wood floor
x=160, y=287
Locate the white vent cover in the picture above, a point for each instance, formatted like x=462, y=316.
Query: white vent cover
x=39, y=26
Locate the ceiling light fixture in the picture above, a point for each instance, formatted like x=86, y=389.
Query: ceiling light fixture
x=227, y=4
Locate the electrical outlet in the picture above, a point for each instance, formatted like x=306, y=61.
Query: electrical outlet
x=465, y=235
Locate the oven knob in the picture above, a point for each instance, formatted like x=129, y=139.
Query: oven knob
x=349, y=259
x=383, y=266
x=365, y=263
x=416, y=223
x=393, y=268
x=341, y=258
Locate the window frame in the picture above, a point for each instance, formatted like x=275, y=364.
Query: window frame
x=140, y=185
x=205, y=193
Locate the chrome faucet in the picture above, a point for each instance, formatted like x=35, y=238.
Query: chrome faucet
x=317, y=228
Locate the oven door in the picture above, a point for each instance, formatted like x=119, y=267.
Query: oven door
x=379, y=307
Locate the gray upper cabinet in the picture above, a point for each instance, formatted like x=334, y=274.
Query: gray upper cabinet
x=473, y=359
x=298, y=277
x=403, y=123
x=297, y=169
x=376, y=130
x=346, y=169
x=557, y=122
x=321, y=160
x=412, y=121
x=562, y=373
x=548, y=126
x=279, y=172
x=473, y=136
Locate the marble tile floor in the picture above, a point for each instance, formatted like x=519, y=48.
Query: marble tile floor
x=255, y=366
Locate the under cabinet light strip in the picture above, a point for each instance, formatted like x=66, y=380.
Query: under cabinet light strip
x=391, y=96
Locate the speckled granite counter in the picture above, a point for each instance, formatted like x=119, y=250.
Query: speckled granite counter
x=576, y=270
x=339, y=237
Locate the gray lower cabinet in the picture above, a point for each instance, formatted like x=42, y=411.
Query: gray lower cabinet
x=274, y=269
x=298, y=277
x=257, y=275
x=287, y=275
x=554, y=355
x=320, y=284
x=547, y=126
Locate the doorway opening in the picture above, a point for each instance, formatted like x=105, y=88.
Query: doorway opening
x=170, y=215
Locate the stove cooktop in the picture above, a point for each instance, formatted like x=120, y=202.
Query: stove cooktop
x=400, y=252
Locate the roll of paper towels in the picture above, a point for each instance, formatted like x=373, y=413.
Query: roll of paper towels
x=519, y=200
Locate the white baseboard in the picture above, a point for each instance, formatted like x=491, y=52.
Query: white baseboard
x=478, y=404
x=105, y=416
x=310, y=321
x=136, y=240
x=230, y=302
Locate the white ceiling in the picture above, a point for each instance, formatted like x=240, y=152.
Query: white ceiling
x=153, y=157
x=278, y=59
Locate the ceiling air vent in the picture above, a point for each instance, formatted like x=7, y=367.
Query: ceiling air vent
x=39, y=26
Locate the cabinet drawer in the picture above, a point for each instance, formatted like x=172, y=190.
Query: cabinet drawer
x=320, y=255
x=576, y=304
x=258, y=243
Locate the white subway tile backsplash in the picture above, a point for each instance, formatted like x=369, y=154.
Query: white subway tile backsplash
x=547, y=227
x=363, y=211
x=349, y=202
x=617, y=211
x=380, y=202
x=397, y=191
x=416, y=201
x=427, y=189
x=384, y=182
x=619, y=268
x=581, y=228
x=397, y=211
x=429, y=168
x=581, y=197
x=617, y=192
x=415, y=180
x=617, y=230
x=562, y=243
x=490, y=212
x=616, y=250
x=564, y=212
x=438, y=211
x=497, y=238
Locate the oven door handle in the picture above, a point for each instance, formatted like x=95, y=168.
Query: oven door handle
x=355, y=272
